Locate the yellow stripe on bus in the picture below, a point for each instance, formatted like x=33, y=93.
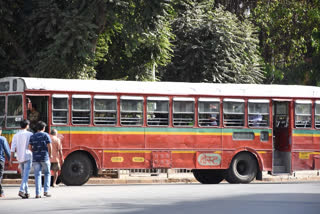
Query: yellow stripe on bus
x=306, y=135
x=262, y=152
x=142, y=133
x=151, y=133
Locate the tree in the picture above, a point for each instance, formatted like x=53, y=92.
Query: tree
x=287, y=37
x=70, y=39
x=212, y=45
x=138, y=38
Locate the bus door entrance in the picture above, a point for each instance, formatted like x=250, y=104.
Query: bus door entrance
x=37, y=110
x=281, y=159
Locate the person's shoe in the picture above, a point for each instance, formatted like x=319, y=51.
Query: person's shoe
x=38, y=196
x=27, y=195
x=46, y=194
x=22, y=195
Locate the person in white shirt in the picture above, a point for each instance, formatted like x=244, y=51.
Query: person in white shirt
x=20, y=142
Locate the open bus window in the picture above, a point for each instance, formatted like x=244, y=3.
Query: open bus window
x=208, y=112
x=233, y=112
x=60, y=109
x=81, y=107
x=183, y=111
x=158, y=111
x=303, y=113
x=317, y=114
x=14, y=111
x=105, y=110
x=131, y=111
x=258, y=113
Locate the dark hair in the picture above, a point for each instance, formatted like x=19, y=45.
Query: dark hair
x=41, y=125
x=24, y=123
x=53, y=132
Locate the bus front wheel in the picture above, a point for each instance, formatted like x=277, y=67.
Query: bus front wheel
x=207, y=176
x=76, y=170
x=243, y=169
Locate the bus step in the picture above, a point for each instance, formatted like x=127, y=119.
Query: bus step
x=279, y=169
x=277, y=162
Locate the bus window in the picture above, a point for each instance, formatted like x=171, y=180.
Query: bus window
x=303, y=113
x=2, y=109
x=131, y=111
x=60, y=109
x=233, y=112
x=14, y=111
x=258, y=113
x=158, y=111
x=105, y=110
x=208, y=111
x=81, y=107
x=317, y=114
x=183, y=111
x=5, y=86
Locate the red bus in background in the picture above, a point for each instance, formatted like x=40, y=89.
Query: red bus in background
x=220, y=131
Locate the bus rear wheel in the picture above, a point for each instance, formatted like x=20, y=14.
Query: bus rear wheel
x=243, y=169
x=207, y=176
x=76, y=170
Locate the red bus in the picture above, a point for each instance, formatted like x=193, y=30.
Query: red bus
x=220, y=131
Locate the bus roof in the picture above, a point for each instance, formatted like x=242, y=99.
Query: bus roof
x=168, y=88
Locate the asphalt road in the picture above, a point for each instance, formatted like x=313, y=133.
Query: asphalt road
x=255, y=198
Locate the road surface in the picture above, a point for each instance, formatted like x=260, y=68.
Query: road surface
x=255, y=198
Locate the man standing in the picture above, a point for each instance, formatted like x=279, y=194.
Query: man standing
x=56, y=155
x=19, y=144
x=40, y=145
x=4, y=150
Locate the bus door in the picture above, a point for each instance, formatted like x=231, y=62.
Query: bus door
x=282, y=129
x=37, y=110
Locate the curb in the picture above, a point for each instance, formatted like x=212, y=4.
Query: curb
x=149, y=180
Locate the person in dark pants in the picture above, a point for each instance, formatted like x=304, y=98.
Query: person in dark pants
x=4, y=150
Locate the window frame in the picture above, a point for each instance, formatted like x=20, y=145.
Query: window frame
x=60, y=110
x=164, y=99
x=259, y=101
x=2, y=117
x=228, y=100
x=303, y=102
x=20, y=116
x=133, y=98
x=317, y=102
x=105, y=97
x=80, y=96
x=211, y=101
x=183, y=99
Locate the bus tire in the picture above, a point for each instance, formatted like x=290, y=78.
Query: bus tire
x=243, y=169
x=207, y=176
x=76, y=170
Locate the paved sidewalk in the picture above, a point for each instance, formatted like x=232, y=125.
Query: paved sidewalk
x=185, y=178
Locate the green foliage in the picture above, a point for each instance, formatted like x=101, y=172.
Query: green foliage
x=75, y=39
x=212, y=45
x=287, y=30
x=139, y=38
